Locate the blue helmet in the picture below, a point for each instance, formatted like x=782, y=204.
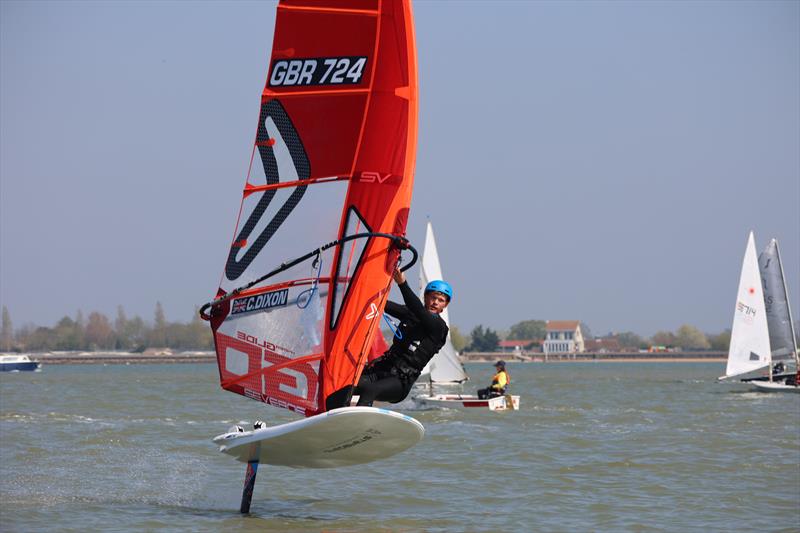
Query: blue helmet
x=438, y=285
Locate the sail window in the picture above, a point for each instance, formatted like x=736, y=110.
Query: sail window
x=350, y=254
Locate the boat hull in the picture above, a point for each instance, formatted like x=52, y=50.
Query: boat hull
x=461, y=401
x=774, y=386
x=30, y=366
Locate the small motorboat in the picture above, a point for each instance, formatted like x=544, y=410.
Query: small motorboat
x=19, y=363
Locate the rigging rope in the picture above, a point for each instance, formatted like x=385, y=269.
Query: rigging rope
x=395, y=329
x=400, y=242
x=309, y=293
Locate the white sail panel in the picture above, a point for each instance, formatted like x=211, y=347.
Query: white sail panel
x=776, y=301
x=445, y=366
x=749, y=347
x=265, y=243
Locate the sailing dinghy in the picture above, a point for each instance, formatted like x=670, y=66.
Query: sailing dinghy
x=762, y=329
x=506, y=402
x=782, y=340
x=445, y=367
x=319, y=233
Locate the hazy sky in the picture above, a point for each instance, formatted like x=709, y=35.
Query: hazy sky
x=599, y=161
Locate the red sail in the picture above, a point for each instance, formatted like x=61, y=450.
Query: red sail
x=333, y=157
x=379, y=346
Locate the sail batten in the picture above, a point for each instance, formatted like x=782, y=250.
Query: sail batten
x=250, y=189
x=309, y=268
x=341, y=92
x=331, y=10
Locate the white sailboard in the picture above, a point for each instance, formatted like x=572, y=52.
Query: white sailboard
x=342, y=437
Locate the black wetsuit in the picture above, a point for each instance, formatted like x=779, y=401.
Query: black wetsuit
x=421, y=335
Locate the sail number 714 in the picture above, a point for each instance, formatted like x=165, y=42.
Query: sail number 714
x=317, y=71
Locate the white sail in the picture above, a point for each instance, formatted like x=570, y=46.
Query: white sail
x=776, y=301
x=749, y=348
x=445, y=366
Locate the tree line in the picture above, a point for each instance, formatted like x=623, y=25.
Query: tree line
x=97, y=332
x=686, y=337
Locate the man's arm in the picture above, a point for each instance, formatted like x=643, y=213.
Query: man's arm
x=397, y=310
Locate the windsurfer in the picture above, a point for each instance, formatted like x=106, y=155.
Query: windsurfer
x=499, y=384
x=421, y=334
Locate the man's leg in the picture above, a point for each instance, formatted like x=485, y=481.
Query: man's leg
x=388, y=389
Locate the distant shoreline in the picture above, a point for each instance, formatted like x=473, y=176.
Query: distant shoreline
x=200, y=357
x=122, y=358
x=597, y=357
x=611, y=360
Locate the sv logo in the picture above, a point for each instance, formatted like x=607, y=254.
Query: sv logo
x=275, y=135
x=374, y=177
x=373, y=312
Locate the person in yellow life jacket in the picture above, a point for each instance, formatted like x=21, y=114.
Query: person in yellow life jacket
x=500, y=382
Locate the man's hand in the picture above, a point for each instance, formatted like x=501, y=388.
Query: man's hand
x=401, y=243
x=398, y=276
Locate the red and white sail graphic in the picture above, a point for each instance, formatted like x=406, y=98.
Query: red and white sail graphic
x=333, y=157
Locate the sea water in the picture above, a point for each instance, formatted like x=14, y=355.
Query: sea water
x=594, y=447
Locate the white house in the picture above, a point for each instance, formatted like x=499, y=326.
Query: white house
x=563, y=336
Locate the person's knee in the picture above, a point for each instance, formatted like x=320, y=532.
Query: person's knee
x=366, y=378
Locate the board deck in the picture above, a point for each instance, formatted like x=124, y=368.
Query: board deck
x=340, y=437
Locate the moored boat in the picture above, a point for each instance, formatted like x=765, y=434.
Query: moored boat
x=18, y=363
